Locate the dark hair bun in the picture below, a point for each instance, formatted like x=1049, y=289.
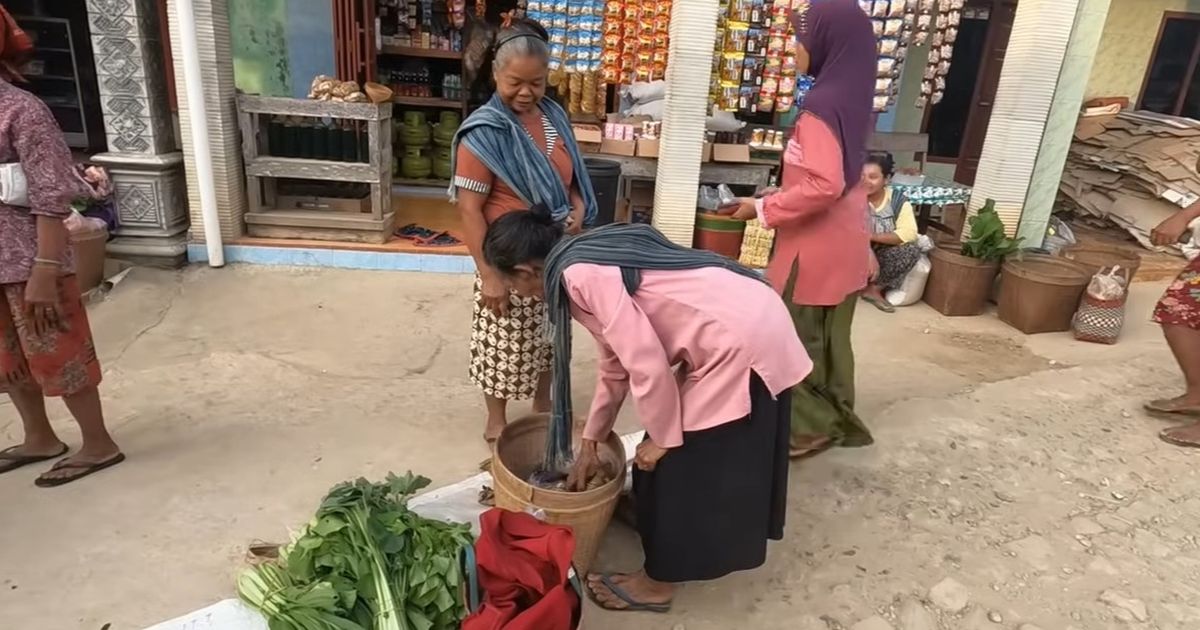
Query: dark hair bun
x=540, y=212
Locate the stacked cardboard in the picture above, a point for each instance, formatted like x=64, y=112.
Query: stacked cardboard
x=1133, y=169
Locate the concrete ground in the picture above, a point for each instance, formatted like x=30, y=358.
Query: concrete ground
x=1015, y=482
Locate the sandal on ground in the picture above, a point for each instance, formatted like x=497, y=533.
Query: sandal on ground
x=84, y=469
x=882, y=305
x=1167, y=406
x=814, y=448
x=10, y=460
x=632, y=604
x=414, y=232
x=1169, y=436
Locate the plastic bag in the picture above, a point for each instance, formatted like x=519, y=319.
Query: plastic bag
x=78, y=224
x=1059, y=236
x=14, y=190
x=913, y=287
x=1191, y=249
x=1108, y=285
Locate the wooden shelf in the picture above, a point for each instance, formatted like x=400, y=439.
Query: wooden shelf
x=322, y=225
x=430, y=183
x=426, y=53
x=427, y=101
x=301, y=168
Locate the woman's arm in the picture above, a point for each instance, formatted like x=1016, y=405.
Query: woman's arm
x=612, y=386
x=813, y=176
x=636, y=347
x=474, y=183
x=575, y=221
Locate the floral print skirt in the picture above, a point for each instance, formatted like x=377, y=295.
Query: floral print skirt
x=509, y=354
x=1180, y=305
x=61, y=362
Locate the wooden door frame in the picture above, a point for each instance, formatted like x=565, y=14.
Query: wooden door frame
x=1195, y=60
x=987, y=45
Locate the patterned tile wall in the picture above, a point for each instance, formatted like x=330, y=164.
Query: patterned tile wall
x=1128, y=43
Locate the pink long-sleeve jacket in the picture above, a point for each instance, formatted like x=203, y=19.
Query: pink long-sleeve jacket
x=820, y=226
x=715, y=326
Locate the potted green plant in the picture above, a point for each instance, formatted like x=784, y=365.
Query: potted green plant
x=960, y=281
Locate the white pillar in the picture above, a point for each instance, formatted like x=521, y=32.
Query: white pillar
x=685, y=111
x=1029, y=82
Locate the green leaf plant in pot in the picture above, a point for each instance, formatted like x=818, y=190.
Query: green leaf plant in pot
x=961, y=281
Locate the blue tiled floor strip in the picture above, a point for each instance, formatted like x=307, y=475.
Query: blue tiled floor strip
x=344, y=259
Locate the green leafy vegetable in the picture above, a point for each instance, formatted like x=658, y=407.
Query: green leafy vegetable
x=988, y=241
x=375, y=565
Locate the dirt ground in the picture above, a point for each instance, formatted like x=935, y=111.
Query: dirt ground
x=1015, y=483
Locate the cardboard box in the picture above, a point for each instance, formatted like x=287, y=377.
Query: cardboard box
x=647, y=148
x=627, y=148
x=737, y=153
x=706, y=154
x=589, y=137
x=335, y=204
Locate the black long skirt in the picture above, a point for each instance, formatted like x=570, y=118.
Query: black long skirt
x=710, y=506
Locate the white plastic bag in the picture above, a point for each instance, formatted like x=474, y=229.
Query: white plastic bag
x=13, y=189
x=1108, y=285
x=913, y=287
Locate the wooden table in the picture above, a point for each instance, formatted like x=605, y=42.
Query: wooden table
x=756, y=174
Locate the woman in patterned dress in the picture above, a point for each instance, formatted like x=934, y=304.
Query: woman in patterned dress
x=512, y=153
x=1179, y=314
x=46, y=344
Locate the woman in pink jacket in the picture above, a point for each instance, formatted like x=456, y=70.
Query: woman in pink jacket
x=822, y=256
x=709, y=355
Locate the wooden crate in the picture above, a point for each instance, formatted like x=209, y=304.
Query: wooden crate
x=265, y=219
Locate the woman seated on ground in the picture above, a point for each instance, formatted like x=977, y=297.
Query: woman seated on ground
x=893, y=233
x=709, y=353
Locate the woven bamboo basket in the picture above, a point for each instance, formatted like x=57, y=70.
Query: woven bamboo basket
x=517, y=453
x=756, y=245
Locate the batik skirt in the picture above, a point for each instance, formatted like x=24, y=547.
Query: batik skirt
x=509, y=354
x=61, y=362
x=1180, y=305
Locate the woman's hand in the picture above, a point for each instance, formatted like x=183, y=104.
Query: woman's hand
x=648, y=454
x=587, y=462
x=1171, y=230
x=495, y=293
x=42, y=304
x=745, y=208
x=574, y=222
x=874, y=267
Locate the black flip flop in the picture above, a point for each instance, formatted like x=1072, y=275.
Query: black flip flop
x=84, y=469
x=633, y=605
x=882, y=305
x=10, y=461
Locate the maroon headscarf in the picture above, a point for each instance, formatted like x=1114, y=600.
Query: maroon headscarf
x=841, y=45
x=15, y=47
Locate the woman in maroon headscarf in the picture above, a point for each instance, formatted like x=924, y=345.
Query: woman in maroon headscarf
x=822, y=254
x=45, y=342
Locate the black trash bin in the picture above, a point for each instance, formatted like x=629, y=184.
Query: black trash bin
x=606, y=178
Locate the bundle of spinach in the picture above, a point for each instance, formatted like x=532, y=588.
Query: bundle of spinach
x=987, y=240
x=365, y=562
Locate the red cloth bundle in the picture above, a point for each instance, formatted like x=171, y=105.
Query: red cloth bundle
x=523, y=567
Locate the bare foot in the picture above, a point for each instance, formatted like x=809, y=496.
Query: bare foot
x=494, y=426
x=79, y=465
x=1187, y=435
x=639, y=587
x=49, y=448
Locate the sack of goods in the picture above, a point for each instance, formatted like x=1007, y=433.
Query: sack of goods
x=1101, y=313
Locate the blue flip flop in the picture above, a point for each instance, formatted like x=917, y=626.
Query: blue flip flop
x=633, y=605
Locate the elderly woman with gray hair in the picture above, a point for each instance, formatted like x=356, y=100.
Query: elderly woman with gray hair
x=514, y=152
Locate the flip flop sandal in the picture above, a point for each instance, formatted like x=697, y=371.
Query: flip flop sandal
x=1165, y=435
x=84, y=469
x=879, y=304
x=1163, y=407
x=10, y=461
x=441, y=239
x=414, y=232
x=633, y=605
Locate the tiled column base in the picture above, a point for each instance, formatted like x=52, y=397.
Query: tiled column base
x=152, y=208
